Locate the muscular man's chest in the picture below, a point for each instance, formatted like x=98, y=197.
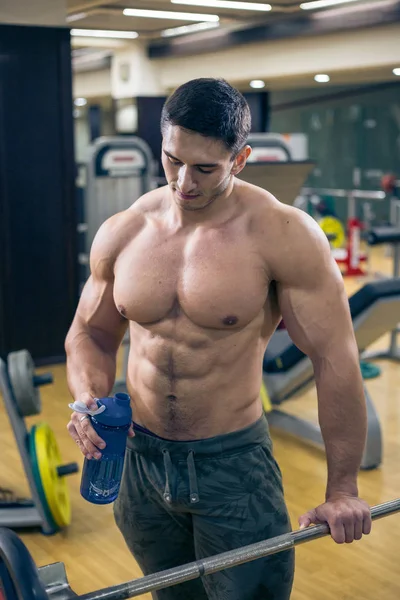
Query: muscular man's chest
x=216, y=280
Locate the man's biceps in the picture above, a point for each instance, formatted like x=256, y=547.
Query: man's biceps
x=101, y=319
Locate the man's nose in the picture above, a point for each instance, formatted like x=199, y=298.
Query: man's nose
x=185, y=181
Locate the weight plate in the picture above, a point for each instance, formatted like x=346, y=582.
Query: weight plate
x=21, y=370
x=332, y=226
x=39, y=486
x=19, y=576
x=55, y=489
x=7, y=589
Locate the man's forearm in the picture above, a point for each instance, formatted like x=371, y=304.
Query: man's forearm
x=89, y=367
x=343, y=420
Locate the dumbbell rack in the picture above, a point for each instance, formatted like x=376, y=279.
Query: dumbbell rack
x=31, y=513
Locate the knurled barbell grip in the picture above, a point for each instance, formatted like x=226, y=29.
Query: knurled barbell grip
x=225, y=560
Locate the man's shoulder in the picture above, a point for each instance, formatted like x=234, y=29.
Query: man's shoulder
x=302, y=251
x=150, y=202
x=270, y=216
x=290, y=239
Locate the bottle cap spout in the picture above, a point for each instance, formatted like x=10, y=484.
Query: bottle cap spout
x=122, y=399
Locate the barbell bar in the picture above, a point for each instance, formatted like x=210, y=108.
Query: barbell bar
x=225, y=560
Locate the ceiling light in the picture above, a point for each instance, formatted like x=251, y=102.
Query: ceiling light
x=188, y=29
x=257, y=84
x=345, y=10
x=166, y=14
x=76, y=17
x=396, y=71
x=226, y=4
x=322, y=78
x=100, y=33
x=322, y=3
x=80, y=102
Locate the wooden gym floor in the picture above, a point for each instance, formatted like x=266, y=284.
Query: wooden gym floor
x=95, y=554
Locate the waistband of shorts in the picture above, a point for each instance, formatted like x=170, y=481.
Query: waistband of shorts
x=252, y=435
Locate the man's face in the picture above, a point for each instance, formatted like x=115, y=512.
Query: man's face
x=198, y=169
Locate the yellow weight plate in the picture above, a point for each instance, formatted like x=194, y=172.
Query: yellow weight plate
x=266, y=402
x=332, y=226
x=54, y=487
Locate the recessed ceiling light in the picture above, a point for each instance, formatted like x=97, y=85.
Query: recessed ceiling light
x=226, y=4
x=322, y=78
x=104, y=33
x=80, y=102
x=188, y=29
x=257, y=84
x=322, y=3
x=396, y=71
x=167, y=14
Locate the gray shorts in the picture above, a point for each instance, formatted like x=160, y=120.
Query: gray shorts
x=182, y=501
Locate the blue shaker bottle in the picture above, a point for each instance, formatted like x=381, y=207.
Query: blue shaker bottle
x=101, y=478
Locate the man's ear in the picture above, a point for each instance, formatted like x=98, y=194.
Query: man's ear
x=240, y=161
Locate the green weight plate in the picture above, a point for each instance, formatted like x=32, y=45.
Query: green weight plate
x=21, y=370
x=38, y=481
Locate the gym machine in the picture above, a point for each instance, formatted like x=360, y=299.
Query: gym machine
x=22, y=580
x=49, y=507
x=119, y=171
x=278, y=164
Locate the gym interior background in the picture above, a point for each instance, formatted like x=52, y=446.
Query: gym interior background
x=323, y=83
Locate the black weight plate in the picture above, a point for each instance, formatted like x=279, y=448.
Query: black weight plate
x=18, y=572
x=7, y=589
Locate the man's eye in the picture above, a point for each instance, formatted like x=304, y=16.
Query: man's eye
x=174, y=162
x=205, y=172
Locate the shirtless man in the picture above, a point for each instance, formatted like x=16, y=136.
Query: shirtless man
x=201, y=272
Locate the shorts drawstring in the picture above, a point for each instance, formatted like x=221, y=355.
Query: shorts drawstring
x=168, y=468
x=193, y=489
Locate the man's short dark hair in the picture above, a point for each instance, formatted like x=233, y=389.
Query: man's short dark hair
x=212, y=108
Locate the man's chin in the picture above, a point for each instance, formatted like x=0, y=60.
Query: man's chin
x=200, y=203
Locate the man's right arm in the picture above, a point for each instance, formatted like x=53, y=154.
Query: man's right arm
x=94, y=337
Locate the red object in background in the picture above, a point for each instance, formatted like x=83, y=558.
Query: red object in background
x=353, y=256
x=388, y=183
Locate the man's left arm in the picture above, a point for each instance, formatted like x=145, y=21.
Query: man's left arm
x=316, y=313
